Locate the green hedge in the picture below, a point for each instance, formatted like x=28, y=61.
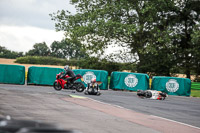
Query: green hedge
x=42, y=60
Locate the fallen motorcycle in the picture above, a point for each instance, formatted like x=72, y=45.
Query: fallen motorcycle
x=152, y=94
x=60, y=83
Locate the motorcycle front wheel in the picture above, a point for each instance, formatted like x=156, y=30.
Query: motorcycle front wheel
x=80, y=87
x=57, y=86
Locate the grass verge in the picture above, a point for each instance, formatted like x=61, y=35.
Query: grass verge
x=195, y=85
x=195, y=89
x=195, y=93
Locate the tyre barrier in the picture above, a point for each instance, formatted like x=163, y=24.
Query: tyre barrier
x=12, y=74
x=129, y=81
x=42, y=75
x=88, y=74
x=172, y=85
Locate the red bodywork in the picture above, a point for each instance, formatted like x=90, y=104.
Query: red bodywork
x=62, y=82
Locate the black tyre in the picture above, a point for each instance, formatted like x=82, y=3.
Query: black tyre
x=148, y=94
x=98, y=94
x=80, y=87
x=57, y=86
x=141, y=93
x=163, y=94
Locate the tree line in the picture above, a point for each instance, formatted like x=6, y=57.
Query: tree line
x=60, y=49
x=5, y=53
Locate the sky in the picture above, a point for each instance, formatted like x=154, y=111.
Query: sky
x=26, y=22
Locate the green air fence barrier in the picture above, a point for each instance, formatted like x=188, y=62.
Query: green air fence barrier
x=172, y=85
x=129, y=81
x=88, y=74
x=42, y=75
x=12, y=74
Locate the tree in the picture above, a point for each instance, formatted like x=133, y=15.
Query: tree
x=57, y=49
x=39, y=49
x=196, y=48
x=5, y=53
x=67, y=49
x=158, y=32
x=184, y=18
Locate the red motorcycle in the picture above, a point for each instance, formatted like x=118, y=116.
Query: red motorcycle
x=60, y=83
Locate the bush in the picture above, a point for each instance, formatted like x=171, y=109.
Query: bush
x=41, y=60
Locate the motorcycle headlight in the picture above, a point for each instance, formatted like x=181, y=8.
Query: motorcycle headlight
x=82, y=79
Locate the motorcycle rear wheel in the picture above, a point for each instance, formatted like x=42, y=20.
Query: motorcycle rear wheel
x=57, y=86
x=80, y=87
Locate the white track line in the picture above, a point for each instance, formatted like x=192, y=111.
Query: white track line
x=176, y=121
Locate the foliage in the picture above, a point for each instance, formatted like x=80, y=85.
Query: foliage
x=195, y=38
x=39, y=49
x=57, y=50
x=5, y=53
x=95, y=63
x=42, y=60
x=185, y=17
x=160, y=33
x=67, y=49
x=60, y=49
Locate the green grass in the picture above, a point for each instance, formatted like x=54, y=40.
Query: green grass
x=195, y=93
x=108, y=79
x=195, y=86
x=195, y=89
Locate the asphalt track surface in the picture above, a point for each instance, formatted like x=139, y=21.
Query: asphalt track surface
x=182, y=110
